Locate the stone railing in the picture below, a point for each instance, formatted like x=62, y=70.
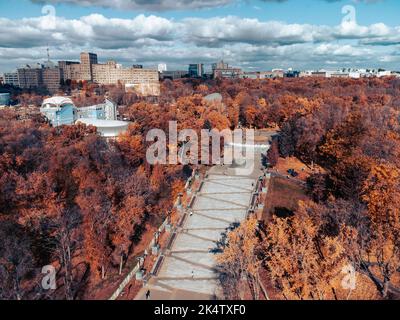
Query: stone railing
x=153, y=246
x=133, y=273
x=256, y=205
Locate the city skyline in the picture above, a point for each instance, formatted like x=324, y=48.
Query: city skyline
x=252, y=35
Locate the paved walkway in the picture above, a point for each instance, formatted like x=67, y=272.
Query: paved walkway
x=188, y=270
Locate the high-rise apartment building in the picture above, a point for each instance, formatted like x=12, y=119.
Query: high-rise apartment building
x=143, y=81
x=222, y=70
x=40, y=76
x=70, y=70
x=74, y=70
x=52, y=78
x=87, y=61
x=30, y=76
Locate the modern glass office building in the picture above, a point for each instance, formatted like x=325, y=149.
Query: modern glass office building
x=196, y=70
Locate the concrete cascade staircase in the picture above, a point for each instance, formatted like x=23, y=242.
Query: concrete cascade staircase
x=188, y=270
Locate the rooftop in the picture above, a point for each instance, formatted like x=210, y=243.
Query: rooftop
x=58, y=101
x=103, y=123
x=107, y=128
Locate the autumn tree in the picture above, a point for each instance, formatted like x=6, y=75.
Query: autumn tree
x=273, y=154
x=62, y=237
x=217, y=121
x=381, y=258
x=127, y=217
x=302, y=262
x=239, y=263
x=69, y=198
x=15, y=260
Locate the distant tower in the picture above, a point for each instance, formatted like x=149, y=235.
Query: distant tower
x=87, y=61
x=196, y=70
x=48, y=53
x=162, y=67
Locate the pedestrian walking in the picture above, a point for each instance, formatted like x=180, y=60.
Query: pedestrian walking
x=148, y=295
x=192, y=274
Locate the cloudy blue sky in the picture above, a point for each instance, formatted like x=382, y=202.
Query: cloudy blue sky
x=252, y=34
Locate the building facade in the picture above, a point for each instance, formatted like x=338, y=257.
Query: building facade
x=162, y=67
x=70, y=70
x=222, y=70
x=4, y=99
x=11, y=78
x=196, y=70
x=250, y=75
x=52, y=79
x=142, y=81
x=220, y=65
x=172, y=75
x=30, y=77
x=88, y=59
x=59, y=111
x=62, y=111
x=103, y=111
x=40, y=76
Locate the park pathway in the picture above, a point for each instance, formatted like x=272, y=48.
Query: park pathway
x=188, y=269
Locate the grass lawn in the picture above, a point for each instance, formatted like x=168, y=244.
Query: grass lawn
x=283, y=195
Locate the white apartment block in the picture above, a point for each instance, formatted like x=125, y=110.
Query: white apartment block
x=142, y=81
x=11, y=78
